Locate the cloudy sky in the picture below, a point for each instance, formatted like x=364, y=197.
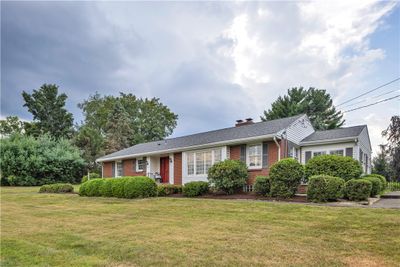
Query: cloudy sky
x=210, y=62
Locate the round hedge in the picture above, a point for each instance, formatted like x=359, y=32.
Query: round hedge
x=322, y=188
x=106, y=188
x=333, y=165
x=262, y=186
x=140, y=187
x=93, y=187
x=228, y=175
x=194, y=189
x=117, y=187
x=285, y=177
x=381, y=177
x=92, y=175
x=376, y=185
x=358, y=189
x=168, y=189
x=56, y=188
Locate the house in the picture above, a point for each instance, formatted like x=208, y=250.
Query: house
x=184, y=159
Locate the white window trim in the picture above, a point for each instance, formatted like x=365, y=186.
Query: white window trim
x=334, y=150
x=116, y=168
x=185, y=161
x=248, y=156
x=137, y=164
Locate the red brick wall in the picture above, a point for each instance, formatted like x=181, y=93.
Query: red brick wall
x=178, y=168
x=128, y=165
x=272, y=158
x=130, y=168
x=107, y=169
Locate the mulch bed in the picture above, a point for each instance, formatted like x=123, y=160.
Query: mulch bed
x=248, y=196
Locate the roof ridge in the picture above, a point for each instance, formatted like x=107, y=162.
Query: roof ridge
x=226, y=128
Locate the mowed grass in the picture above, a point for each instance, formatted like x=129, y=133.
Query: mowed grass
x=68, y=230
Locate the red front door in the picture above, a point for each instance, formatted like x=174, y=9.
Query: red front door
x=164, y=169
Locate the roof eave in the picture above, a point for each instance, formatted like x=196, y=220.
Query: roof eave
x=181, y=149
x=330, y=141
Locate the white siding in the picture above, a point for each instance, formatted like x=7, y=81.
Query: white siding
x=328, y=148
x=365, y=145
x=298, y=130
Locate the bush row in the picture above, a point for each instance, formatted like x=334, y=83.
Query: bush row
x=56, y=188
x=124, y=187
x=194, y=189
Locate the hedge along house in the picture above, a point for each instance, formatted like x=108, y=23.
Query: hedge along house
x=184, y=159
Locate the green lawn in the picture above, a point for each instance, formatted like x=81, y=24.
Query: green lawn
x=68, y=230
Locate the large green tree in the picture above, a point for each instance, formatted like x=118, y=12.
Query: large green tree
x=48, y=109
x=392, y=133
x=11, y=125
x=140, y=120
x=381, y=163
x=90, y=142
x=316, y=103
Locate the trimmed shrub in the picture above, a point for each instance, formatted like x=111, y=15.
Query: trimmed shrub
x=322, y=188
x=106, y=188
x=228, y=175
x=262, y=186
x=376, y=185
x=93, y=187
x=193, y=189
x=168, y=189
x=358, y=189
x=140, y=187
x=333, y=165
x=381, y=177
x=56, y=188
x=285, y=177
x=117, y=187
x=83, y=189
x=92, y=175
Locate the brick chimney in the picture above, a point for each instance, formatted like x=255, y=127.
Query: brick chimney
x=244, y=122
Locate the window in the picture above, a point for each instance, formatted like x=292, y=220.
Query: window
x=141, y=164
x=338, y=152
x=217, y=155
x=255, y=156
x=198, y=163
x=190, y=163
x=319, y=153
x=119, y=169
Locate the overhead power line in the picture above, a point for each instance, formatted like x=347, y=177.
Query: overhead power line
x=383, y=100
x=371, y=97
x=363, y=94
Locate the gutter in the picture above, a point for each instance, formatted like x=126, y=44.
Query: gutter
x=328, y=141
x=188, y=148
x=279, y=148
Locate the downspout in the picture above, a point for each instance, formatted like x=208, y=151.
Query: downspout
x=279, y=148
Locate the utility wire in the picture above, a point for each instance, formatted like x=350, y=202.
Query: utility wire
x=372, y=97
x=376, y=88
x=384, y=100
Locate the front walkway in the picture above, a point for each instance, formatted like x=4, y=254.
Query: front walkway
x=389, y=200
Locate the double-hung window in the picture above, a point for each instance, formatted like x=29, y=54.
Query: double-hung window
x=319, y=153
x=255, y=156
x=141, y=164
x=119, y=169
x=199, y=162
x=338, y=152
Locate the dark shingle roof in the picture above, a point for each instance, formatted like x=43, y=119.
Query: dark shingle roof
x=335, y=134
x=227, y=134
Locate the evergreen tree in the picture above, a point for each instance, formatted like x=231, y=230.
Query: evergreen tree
x=381, y=163
x=48, y=110
x=316, y=103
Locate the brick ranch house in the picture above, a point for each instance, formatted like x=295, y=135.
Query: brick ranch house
x=184, y=159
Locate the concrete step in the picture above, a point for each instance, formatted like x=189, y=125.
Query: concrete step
x=392, y=195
